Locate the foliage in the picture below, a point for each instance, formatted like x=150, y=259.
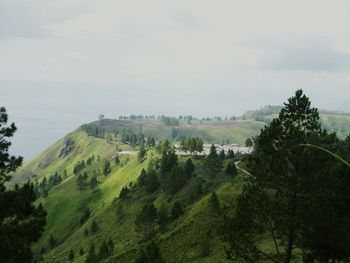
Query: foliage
x=149, y=180
x=71, y=255
x=214, y=204
x=93, y=183
x=192, y=145
x=142, y=152
x=146, y=221
x=150, y=254
x=288, y=199
x=94, y=227
x=249, y=142
x=94, y=130
x=169, y=121
x=230, y=169
x=107, y=168
x=189, y=167
x=91, y=256
x=21, y=222
x=176, y=210
x=213, y=163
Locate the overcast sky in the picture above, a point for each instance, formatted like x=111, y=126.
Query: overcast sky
x=64, y=61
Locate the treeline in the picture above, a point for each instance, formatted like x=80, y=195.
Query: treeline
x=192, y=145
x=129, y=136
x=94, y=130
x=173, y=120
x=45, y=185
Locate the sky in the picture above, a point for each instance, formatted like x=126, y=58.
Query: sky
x=63, y=62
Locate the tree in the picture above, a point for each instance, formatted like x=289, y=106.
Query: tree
x=91, y=256
x=282, y=198
x=151, y=181
x=142, y=152
x=104, y=251
x=163, y=216
x=94, y=227
x=116, y=160
x=81, y=251
x=107, y=168
x=124, y=193
x=146, y=220
x=93, y=183
x=111, y=245
x=175, y=180
x=80, y=182
x=214, y=204
x=189, y=167
x=249, y=142
x=71, y=255
x=168, y=159
x=176, y=210
x=230, y=169
x=213, y=163
x=52, y=242
x=230, y=154
x=85, y=216
x=222, y=155
x=21, y=222
x=150, y=254
x=120, y=212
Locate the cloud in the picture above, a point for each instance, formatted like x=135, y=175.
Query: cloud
x=30, y=18
x=302, y=53
x=187, y=19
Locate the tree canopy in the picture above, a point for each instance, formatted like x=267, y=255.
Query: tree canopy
x=21, y=222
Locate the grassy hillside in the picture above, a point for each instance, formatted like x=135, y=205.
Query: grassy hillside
x=66, y=203
x=192, y=237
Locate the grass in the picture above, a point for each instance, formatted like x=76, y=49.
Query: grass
x=65, y=203
x=181, y=242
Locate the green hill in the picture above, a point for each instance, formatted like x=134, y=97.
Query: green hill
x=73, y=209
x=66, y=204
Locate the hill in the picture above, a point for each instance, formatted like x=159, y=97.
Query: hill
x=83, y=212
x=73, y=209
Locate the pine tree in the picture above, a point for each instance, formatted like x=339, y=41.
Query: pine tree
x=249, y=142
x=142, y=152
x=176, y=210
x=91, y=256
x=230, y=154
x=81, y=251
x=189, y=167
x=222, y=155
x=52, y=242
x=103, y=251
x=291, y=197
x=230, y=169
x=111, y=246
x=107, y=168
x=94, y=227
x=93, y=182
x=163, y=216
x=120, y=212
x=214, y=204
x=116, y=160
x=146, y=220
x=213, y=163
x=71, y=255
